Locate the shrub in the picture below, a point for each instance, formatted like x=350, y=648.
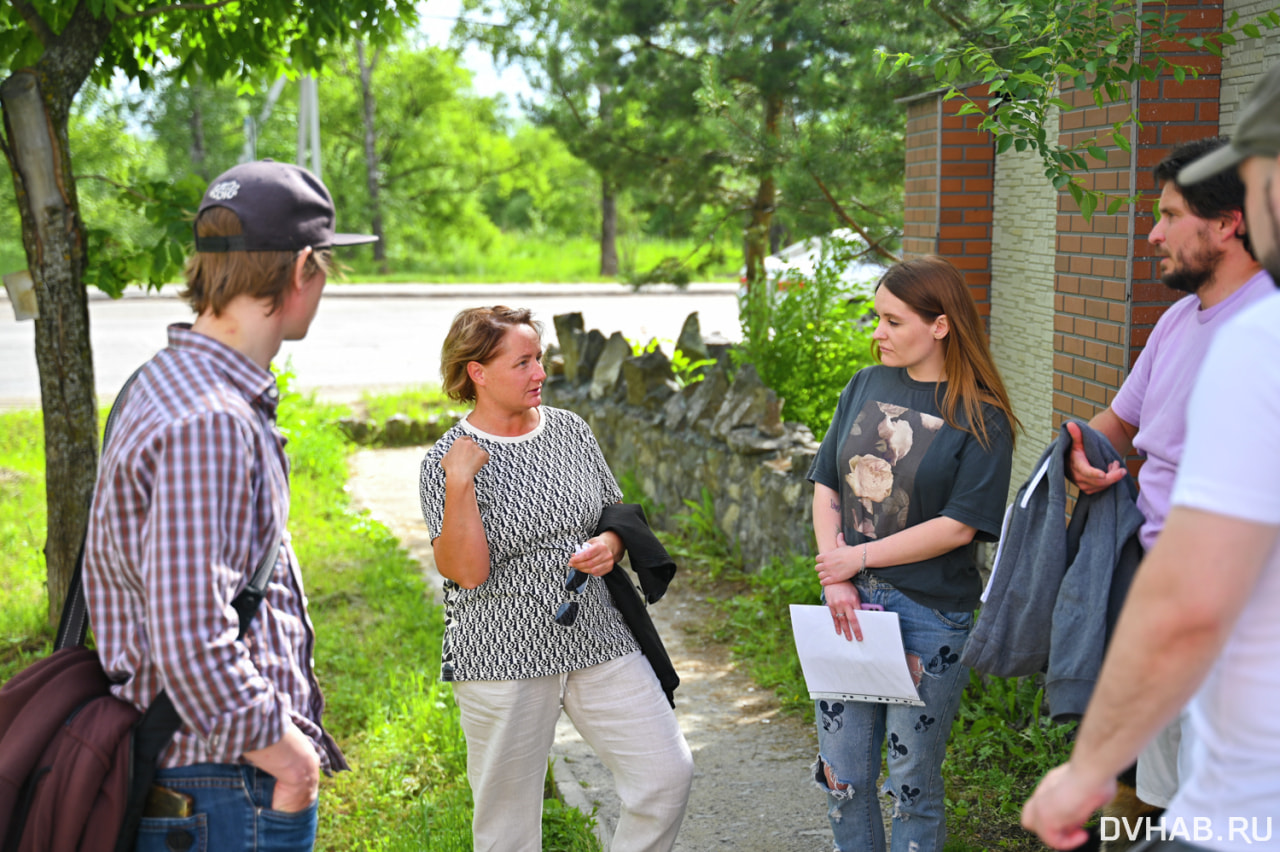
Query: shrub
x=806, y=339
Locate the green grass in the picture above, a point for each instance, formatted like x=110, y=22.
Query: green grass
x=24, y=627
x=415, y=403
x=531, y=258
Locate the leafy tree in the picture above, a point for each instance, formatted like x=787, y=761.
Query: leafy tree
x=436, y=148
x=1025, y=50
x=49, y=49
x=617, y=95
x=759, y=108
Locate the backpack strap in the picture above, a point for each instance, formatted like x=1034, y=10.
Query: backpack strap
x=73, y=626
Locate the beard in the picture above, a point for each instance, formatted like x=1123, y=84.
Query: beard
x=1192, y=271
x=1186, y=280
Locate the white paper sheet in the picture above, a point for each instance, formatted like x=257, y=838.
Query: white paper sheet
x=874, y=669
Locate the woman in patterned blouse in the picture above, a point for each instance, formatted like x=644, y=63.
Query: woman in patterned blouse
x=512, y=495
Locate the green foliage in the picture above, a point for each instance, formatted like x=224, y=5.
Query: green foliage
x=701, y=112
x=633, y=491
x=415, y=403
x=807, y=340
x=757, y=627
x=687, y=370
x=700, y=540
x=519, y=257
x=1026, y=50
x=1001, y=744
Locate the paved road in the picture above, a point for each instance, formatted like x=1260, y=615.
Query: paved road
x=368, y=336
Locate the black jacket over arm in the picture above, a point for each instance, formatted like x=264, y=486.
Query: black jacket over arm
x=654, y=568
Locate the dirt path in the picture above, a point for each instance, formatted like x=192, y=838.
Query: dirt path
x=750, y=789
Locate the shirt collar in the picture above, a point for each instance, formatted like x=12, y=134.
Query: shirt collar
x=258, y=385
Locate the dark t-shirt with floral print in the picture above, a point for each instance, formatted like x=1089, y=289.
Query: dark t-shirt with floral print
x=896, y=463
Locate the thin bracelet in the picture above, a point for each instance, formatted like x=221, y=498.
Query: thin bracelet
x=864, y=557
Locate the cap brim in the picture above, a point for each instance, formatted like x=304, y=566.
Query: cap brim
x=352, y=239
x=1226, y=157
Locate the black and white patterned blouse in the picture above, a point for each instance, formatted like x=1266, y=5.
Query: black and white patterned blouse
x=540, y=496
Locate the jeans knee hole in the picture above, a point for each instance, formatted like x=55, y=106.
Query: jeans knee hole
x=915, y=667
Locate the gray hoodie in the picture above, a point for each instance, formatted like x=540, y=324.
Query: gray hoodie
x=1057, y=588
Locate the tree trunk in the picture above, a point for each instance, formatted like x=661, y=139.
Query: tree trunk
x=608, y=196
x=198, y=154
x=608, y=228
x=36, y=104
x=371, y=156
x=757, y=233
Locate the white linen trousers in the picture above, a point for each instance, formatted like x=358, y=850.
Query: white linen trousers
x=622, y=713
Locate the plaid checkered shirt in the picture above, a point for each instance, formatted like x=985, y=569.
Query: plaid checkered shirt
x=192, y=489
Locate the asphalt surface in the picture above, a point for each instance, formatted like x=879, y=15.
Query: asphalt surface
x=367, y=336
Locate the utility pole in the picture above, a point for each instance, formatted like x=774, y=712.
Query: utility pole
x=250, y=152
x=309, y=125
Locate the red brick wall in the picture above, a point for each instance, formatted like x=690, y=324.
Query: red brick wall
x=920, y=185
x=1107, y=291
x=1107, y=296
x=1091, y=285
x=1171, y=113
x=949, y=181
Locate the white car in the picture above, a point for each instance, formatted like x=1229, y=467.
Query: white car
x=799, y=260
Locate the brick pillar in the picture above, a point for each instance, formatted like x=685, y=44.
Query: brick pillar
x=920, y=202
x=949, y=177
x=964, y=219
x=1171, y=113
x=1107, y=296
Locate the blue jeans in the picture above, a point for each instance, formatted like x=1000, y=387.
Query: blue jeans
x=851, y=736
x=232, y=813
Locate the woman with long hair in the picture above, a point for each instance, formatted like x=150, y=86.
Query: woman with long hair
x=913, y=472
x=513, y=495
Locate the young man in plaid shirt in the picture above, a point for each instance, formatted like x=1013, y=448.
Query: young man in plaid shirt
x=192, y=491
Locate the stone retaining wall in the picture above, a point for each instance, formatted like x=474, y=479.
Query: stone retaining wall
x=723, y=435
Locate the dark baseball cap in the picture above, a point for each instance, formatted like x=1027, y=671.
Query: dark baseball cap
x=281, y=207
x=1257, y=134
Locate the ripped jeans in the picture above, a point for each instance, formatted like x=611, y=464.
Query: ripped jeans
x=851, y=736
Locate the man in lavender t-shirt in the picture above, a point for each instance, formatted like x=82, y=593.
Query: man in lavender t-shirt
x=1201, y=238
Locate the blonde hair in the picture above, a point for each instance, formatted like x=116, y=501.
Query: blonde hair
x=932, y=287
x=214, y=279
x=475, y=335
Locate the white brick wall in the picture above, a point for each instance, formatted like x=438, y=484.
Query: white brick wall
x=1246, y=61
x=1022, y=272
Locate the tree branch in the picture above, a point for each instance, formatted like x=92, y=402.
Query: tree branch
x=120, y=186
x=957, y=23
x=848, y=220
x=177, y=7
x=37, y=23
x=8, y=153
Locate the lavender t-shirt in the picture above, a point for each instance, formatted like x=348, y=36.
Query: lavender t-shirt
x=1154, y=396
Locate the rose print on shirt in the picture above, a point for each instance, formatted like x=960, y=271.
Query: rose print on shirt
x=883, y=451
x=897, y=436
x=871, y=480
